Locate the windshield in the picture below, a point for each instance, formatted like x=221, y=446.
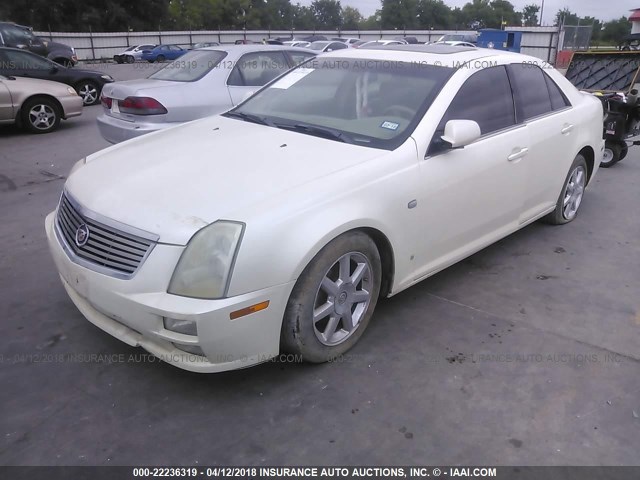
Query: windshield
x=191, y=66
x=368, y=102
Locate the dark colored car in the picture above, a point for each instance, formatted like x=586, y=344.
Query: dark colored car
x=408, y=40
x=19, y=36
x=21, y=63
x=162, y=53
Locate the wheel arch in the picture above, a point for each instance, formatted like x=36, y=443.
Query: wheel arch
x=589, y=155
x=383, y=244
x=39, y=95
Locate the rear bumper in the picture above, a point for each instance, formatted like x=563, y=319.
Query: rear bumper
x=115, y=130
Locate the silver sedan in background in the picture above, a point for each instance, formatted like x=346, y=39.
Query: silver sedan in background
x=201, y=83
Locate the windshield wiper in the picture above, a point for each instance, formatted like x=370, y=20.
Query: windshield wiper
x=317, y=131
x=250, y=117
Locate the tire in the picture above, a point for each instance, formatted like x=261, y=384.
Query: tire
x=117, y=59
x=150, y=61
x=571, y=195
x=160, y=58
x=89, y=91
x=612, y=155
x=130, y=59
x=320, y=284
x=40, y=115
x=623, y=152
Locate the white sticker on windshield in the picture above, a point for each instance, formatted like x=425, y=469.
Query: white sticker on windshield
x=390, y=125
x=292, y=78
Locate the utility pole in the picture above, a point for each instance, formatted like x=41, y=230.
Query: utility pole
x=541, y=12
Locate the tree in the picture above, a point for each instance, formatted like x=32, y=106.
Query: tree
x=566, y=17
x=615, y=30
x=327, y=13
x=351, y=18
x=433, y=14
x=530, y=15
x=399, y=14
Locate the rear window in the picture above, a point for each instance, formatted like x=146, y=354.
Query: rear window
x=191, y=66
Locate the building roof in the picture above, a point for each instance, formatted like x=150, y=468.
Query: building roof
x=635, y=16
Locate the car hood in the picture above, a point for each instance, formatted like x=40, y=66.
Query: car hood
x=33, y=86
x=174, y=182
x=122, y=90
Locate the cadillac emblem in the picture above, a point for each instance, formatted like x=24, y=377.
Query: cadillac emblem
x=82, y=235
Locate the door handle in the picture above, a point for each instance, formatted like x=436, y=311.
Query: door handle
x=517, y=155
x=566, y=129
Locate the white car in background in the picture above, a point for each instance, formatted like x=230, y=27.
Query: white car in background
x=327, y=46
x=198, y=84
x=381, y=43
x=457, y=43
x=349, y=41
x=133, y=53
x=278, y=225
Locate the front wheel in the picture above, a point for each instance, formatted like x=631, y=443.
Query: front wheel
x=572, y=193
x=333, y=300
x=130, y=59
x=40, y=115
x=160, y=58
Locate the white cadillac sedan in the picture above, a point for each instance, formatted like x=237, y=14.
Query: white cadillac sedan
x=278, y=225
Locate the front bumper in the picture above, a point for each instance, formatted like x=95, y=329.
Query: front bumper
x=133, y=311
x=71, y=105
x=115, y=130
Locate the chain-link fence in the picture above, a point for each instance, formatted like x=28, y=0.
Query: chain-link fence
x=576, y=37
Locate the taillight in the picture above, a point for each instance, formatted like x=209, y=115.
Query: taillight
x=141, y=106
x=106, y=101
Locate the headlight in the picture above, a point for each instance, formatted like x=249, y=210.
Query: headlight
x=204, y=269
x=80, y=163
x=72, y=91
x=106, y=77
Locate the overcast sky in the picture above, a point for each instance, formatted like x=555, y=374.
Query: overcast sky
x=602, y=9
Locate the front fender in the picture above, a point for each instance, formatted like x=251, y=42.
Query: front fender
x=284, y=234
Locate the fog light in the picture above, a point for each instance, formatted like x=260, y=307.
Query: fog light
x=186, y=327
x=194, y=349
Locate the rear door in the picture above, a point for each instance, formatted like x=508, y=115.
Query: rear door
x=551, y=121
x=254, y=70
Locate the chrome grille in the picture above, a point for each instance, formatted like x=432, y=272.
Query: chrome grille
x=107, y=249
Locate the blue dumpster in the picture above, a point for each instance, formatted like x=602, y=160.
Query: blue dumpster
x=500, y=39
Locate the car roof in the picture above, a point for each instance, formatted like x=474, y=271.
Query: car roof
x=438, y=54
x=255, y=47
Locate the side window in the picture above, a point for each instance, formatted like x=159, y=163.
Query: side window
x=338, y=46
x=298, y=57
x=558, y=100
x=257, y=69
x=25, y=61
x=530, y=91
x=485, y=98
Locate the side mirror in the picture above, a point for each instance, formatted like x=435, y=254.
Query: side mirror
x=460, y=133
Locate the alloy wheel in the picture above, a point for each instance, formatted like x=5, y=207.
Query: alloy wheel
x=42, y=116
x=574, y=192
x=342, y=299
